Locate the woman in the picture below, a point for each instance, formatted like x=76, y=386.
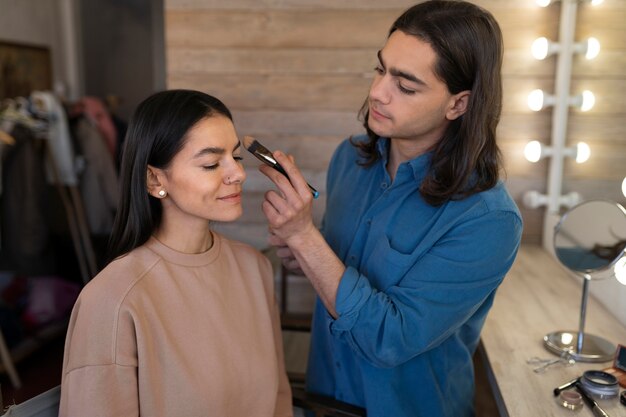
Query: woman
x=182, y=322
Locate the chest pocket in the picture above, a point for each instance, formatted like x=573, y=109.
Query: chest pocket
x=386, y=266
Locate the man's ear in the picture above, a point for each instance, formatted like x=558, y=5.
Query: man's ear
x=154, y=181
x=458, y=105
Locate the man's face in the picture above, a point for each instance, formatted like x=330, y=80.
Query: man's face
x=406, y=100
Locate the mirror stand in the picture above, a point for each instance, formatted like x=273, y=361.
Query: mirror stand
x=580, y=346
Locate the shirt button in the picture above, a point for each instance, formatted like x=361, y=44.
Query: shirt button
x=383, y=185
x=369, y=222
x=338, y=365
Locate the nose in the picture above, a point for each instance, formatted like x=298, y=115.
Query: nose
x=235, y=174
x=379, y=90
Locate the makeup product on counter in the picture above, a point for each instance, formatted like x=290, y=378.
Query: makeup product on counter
x=600, y=384
x=565, y=386
x=595, y=408
x=570, y=400
x=265, y=155
x=619, y=366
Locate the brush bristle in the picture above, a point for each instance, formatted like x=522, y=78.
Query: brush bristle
x=248, y=141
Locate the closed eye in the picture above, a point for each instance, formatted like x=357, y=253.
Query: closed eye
x=405, y=90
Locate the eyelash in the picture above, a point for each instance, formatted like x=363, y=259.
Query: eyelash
x=213, y=167
x=403, y=90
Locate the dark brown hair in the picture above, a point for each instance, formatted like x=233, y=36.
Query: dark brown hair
x=156, y=133
x=468, y=44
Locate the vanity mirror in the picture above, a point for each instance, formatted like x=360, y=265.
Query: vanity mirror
x=590, y=241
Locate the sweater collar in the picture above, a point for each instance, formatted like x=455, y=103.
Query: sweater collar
x=186, y=259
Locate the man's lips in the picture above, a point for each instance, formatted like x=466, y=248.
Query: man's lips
x=377, y=114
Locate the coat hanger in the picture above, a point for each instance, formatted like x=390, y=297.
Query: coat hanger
x=14, y=111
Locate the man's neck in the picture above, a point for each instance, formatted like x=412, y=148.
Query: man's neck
x=402, y=150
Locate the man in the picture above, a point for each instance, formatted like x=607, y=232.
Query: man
x=418, y=231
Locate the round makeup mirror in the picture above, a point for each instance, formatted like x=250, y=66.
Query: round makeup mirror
x=590, y=241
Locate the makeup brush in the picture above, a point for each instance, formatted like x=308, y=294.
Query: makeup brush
x=265, y=155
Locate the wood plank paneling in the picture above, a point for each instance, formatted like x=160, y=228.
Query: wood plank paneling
x=281, y=92
x=278, y=28
x=255, y=61
x=295, y=73
x=325, y=4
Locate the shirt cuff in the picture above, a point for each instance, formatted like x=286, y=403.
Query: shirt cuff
x=352, y=293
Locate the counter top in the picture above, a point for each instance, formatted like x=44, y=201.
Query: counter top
x=538, y=296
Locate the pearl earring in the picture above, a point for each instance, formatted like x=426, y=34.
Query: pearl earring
x=162, y=193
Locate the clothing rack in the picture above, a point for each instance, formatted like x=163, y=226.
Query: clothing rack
x=42, y=114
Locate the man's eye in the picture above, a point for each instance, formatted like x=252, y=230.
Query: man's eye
x=405, y=90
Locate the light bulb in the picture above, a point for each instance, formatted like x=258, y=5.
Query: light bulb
x=543, y=3
x=535, y=100
x=620, y=271
x=624, y=187
x=593, y=48
x=540, y=48
x=583, y=152
x=596, y=2
x=532, y=151
x=588, y=101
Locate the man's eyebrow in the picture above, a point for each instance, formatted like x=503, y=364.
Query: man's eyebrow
x=214, y=150
x=397, y=73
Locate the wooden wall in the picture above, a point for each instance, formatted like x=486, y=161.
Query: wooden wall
x=295, y=73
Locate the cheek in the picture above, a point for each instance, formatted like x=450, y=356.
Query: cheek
x=196, y=185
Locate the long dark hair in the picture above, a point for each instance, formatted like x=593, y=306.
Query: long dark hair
x=468, y=43
x=156, y=133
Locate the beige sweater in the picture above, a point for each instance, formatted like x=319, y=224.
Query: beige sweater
x=163, y=333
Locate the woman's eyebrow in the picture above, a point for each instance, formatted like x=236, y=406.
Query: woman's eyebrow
x=214, y=150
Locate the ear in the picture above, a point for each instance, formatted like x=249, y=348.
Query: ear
x=458, y=105
x=154, y=181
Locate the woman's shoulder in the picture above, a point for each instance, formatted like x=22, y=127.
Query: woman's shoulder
x=120, y=275
x=241, y=249
x=245, y=255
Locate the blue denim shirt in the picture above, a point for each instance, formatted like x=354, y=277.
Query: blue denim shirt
x=418, y=285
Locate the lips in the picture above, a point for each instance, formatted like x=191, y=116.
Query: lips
x=377, y=114
x=231, y=198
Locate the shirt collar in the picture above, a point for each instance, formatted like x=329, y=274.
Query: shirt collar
x=418, y=165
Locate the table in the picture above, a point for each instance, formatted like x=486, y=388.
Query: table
x=539, y=296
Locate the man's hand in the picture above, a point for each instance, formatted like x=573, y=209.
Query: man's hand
x=299, y=243
x=289, y=210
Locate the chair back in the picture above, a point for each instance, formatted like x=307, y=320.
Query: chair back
x=45, y=404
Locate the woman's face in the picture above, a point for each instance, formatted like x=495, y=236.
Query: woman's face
x=204, y=180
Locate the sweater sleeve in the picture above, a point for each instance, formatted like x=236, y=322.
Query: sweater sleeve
x=100, y=391
x=440, y=292
x=100, y=360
